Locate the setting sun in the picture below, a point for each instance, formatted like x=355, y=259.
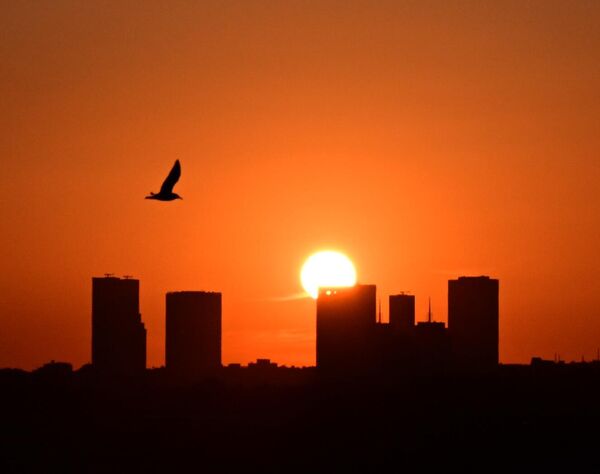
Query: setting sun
x=327, y=268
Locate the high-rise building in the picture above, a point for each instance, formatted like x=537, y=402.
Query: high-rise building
x=346, y=321
x=118, y=334
x=193, y=332
x=473, y=322
x=402, y=312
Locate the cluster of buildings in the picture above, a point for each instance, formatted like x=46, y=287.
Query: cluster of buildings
x=350, y=336
x=351, y=339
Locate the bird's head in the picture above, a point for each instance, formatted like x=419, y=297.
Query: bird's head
x=177, y=196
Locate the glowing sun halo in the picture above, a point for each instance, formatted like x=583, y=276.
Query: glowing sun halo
x=326, y=268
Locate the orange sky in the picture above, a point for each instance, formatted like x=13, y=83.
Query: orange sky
x=423, y=139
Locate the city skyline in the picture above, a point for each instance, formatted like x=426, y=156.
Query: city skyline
x=300, y=236
x=400, y=318
x=351, y=337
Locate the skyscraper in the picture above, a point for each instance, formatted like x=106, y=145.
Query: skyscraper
x=193, y=332
x=118, y=334
x=473, y=322
x=402, y=312
x=346, y=320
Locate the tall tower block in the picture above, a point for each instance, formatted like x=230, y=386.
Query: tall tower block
x=473, y=320
x=346, y=319
x=402, y=312
x=118, y=334
x=193, y=332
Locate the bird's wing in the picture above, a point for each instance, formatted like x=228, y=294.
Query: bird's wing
x=169, y=183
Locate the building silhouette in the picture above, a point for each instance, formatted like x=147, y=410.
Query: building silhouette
x=432, y=345
x=351, y=340
x=118, y=334
x=193, y=332
x=402, y=312
x=473, y=322
x=346, y=321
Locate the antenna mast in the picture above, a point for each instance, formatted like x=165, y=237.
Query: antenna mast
x=429, y=312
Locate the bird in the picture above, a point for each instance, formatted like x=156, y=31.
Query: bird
x=166, y=190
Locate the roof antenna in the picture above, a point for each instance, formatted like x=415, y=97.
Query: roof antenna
x=379, y=310
x=429, y=312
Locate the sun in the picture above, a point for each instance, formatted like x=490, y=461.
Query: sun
x=326, y=269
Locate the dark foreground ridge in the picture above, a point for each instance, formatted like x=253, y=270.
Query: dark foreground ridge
x=537, y=418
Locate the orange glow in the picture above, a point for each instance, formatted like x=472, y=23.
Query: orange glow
x=427, y=140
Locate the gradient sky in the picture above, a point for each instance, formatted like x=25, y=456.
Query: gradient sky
x=426, y=140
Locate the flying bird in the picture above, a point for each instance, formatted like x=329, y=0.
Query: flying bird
x=166, y=190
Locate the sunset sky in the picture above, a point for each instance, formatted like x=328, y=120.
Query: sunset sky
x=426, y=140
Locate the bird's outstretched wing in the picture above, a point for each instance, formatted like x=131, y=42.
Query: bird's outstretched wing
x=169, y=183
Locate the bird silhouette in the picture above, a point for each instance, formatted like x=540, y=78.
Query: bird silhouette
x=166, y=190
